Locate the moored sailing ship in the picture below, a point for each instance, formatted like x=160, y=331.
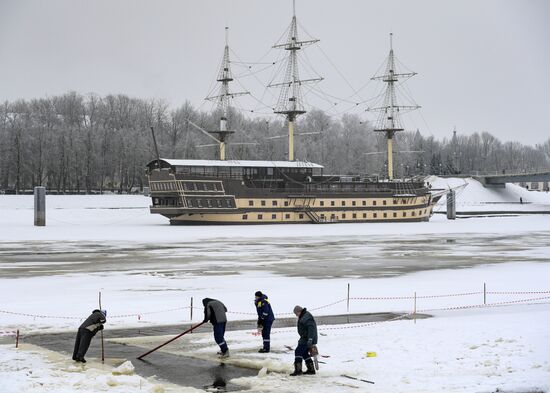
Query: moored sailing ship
x=189, y=191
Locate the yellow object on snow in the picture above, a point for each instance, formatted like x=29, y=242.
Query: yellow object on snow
x=370, y=354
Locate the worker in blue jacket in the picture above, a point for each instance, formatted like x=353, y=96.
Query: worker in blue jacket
x=265, y=319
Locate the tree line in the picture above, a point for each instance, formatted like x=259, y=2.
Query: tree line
x=89, y=143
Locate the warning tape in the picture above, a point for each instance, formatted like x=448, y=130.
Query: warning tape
x=80, y=318
x=417, y=297
x=410, y=315
x=497, y=304
x=4, y=333
x=139, y=314
x=517, y=292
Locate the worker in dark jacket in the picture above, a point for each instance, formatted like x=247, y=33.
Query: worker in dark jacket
x=265, y=319
x=86, y=331
x=307, y=329
x=214, y=311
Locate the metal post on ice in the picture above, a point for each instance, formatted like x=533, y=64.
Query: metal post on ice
x=414, y=312
x=39, y=206
x=191, y=310
x=484, y=293
x=451, y=205
x=348, y=303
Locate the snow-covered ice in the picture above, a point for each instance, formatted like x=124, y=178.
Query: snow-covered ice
x=148, y=271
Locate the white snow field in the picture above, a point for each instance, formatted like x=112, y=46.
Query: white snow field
x=147, y=272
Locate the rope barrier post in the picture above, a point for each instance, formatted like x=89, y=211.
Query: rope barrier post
x=484, y=294
x=17, y=339
x=191, y=312
x=102, y=343
x=414, y=312
x=348, y=303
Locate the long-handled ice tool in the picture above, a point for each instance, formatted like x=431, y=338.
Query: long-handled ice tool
x=357, y=379
x=169, y=341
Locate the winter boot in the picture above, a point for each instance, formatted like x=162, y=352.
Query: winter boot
x=310, y=367
x=297, y=369
x=263, y=350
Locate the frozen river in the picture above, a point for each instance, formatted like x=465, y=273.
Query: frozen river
x=359, y=256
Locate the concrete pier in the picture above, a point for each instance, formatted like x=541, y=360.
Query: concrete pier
x=451, y=205
x=40, y=206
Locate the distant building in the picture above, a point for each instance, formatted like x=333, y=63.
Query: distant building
x=535, y=185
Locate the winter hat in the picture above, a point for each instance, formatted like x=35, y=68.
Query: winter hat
x=298, y=310
x=258, y=294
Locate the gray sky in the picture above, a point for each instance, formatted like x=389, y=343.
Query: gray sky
x=484, y=65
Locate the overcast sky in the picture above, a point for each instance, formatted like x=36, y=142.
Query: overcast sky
x=483, y=65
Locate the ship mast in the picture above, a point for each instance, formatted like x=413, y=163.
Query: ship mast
x=389, y=119
x=290, y=102
x=224, y=96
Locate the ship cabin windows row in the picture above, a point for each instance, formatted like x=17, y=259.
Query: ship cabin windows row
x=198, y=186
x=216, y=203
x=324, y=203
x=168, y=202
x=163, y=186
x=363, y=202
x=245, y=172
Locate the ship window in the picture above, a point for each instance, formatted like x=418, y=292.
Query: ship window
x=394, y=214
x=403, y=201
x=424, y=211
x=343, y=203
x=301, y=216
x=260, y=216
x=274, y=203
x=373, y=203
x=344, y=215
x=245, y=216
x=209, y=202
x=364, y=203
x=322, y=216
x=250, y=203
x=413, y=213
x=332, y=216
x=374, y=215
x=286, y=203
x=228, y=202
x=263, y=203
x=321, y=203
x=219, y=202
x=332, y=204
x=395, y=201
x=384, y=202
x=199, y=203
x=273, y=216
x=354, y=215
x=353, y=203
x=287, y=216
x=385, y=215
x=420, y=212
x=404, y=214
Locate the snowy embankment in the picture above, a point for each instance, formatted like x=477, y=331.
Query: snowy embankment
x=472, y=196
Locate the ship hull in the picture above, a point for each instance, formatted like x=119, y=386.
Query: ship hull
x=224, y=199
